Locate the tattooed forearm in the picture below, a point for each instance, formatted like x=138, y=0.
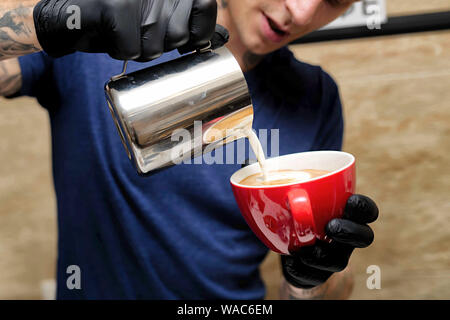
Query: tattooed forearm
x=17, y=34
x=338, y=287
x=10, y=77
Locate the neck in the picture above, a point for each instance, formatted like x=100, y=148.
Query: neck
x=247, y=60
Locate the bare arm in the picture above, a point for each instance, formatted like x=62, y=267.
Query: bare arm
x=17, y=32
x=338, y=287
x=10, y=77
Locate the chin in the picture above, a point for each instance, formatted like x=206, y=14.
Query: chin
x=258, y=46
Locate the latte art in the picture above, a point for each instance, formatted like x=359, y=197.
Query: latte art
x=275, y=177
x=280, y=177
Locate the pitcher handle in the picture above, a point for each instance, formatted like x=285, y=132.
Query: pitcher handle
x=124, y=70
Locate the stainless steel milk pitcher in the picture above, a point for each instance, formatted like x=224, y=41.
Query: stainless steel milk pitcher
x=201, y=97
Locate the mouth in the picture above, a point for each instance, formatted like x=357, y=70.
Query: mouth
x=272, y=30
x=276, y=28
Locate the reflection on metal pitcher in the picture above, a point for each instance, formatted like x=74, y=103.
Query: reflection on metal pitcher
x=150, y=105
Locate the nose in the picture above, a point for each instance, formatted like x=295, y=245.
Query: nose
x=302, y=11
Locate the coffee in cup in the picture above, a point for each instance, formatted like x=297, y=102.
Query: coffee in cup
x=280, y=177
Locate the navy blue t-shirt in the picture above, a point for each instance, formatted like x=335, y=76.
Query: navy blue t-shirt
x=177, y=234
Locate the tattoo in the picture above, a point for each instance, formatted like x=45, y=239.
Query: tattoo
x=251, y=60
x=15, y=34
x=8, y=20
x=10, y=77
x=11, y=48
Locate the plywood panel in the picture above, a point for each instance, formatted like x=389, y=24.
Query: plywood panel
x=27, y=210
x=402, y=7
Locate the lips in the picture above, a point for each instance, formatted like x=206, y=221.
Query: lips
x=276, y=28
x=272, y=30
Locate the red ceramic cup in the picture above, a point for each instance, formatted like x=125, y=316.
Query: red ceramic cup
x=287, y=217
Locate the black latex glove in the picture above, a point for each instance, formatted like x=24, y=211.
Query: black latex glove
x=125, y=29
x=313, y=265
x=220, y=37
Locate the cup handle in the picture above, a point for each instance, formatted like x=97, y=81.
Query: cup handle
x=300, y=207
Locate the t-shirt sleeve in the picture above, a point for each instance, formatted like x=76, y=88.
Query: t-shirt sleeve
x=331, y=129
x=34, y=68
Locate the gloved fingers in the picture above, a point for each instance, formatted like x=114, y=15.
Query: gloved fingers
x=360, y=209
x=202, y=24
x=153, y=29
x=325, y=256
x=124, y=37
x=177, y=33
x=124, y=50
x=152, y=44
x=350, y=233
x=47, y=16
x=220, y=37
x=301, y=275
